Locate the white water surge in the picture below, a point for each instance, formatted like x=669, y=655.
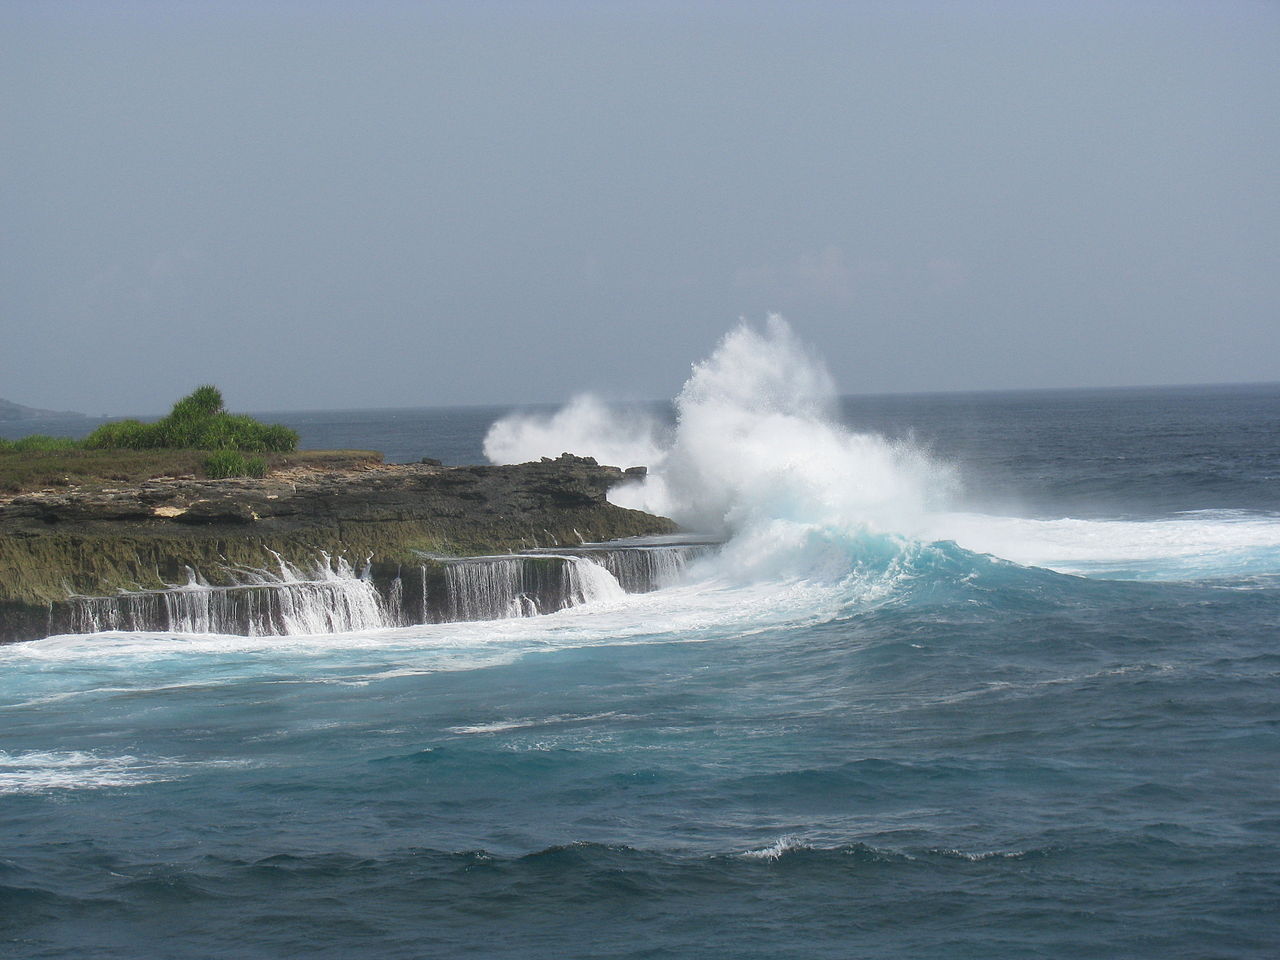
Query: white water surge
x=757, y=441
x=1196, y=544
x=758, y=455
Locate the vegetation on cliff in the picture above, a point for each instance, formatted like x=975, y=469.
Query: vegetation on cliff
x=198, y=422
x=232, y=463
x=38, y=442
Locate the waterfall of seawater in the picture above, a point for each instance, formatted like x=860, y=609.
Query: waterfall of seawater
x=640, y=567
x=645, y=569
x=333, y=597
x=329, y=598
x=487, y=589
x=499, y=588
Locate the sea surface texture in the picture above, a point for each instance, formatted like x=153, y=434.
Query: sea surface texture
x=993, y=676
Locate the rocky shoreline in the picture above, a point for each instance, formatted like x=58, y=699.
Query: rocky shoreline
x=98, y=541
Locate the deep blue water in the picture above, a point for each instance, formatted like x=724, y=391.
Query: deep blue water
x=933, y=752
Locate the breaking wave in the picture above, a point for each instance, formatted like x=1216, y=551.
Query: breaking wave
x=759, y=456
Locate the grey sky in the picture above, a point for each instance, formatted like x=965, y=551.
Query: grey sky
x=331, y=205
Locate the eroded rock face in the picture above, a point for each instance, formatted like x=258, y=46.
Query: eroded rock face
x=519, y=492
x=101, y=540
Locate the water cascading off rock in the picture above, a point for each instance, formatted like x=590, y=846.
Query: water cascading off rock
x=332, y=596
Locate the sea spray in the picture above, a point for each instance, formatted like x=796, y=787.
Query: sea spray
x=757, y=456
x=585, y=423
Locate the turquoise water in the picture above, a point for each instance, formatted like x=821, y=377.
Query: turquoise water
x=1051, y=732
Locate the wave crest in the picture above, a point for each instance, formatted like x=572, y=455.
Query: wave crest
x=757, y=455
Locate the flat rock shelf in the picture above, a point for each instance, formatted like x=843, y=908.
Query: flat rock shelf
x=319, y=551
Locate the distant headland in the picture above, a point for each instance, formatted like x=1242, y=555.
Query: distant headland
x=16, y=411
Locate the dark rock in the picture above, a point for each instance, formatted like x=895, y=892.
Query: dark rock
x=225, y=510
x=98, y=541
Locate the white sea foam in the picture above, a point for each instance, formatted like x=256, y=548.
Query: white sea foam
x=41, y=771
x=1189, y=545
x=776, y=850
x=525, y=723
x=980, y=856
x=706, y=611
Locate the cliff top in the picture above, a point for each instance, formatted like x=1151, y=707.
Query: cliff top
x=307, y=486
x=64, y=471
x=101, y=537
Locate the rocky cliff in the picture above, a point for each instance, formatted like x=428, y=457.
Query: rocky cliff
x=99, y=540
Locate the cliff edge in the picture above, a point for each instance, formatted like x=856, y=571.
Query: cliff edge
x=99, y=540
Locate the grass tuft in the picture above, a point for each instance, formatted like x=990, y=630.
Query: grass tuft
x=196, y=422
x=233, y=463
x=43, y=442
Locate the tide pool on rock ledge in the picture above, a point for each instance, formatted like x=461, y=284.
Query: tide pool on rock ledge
x=971, y=676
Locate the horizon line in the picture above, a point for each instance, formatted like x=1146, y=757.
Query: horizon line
x=841, y=396
x=514, y=405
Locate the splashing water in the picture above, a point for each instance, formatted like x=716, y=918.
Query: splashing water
x=329, y=597
x=757, y=455
x=585, y=423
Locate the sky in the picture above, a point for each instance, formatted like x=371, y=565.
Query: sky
x=322, y=205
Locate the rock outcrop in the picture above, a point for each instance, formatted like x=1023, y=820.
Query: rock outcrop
x=98, y=541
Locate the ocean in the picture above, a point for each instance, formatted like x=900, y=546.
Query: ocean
x=971, y=676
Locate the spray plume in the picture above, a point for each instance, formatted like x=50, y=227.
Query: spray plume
x=757, y=453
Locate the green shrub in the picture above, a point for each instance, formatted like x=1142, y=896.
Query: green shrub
x=229, y=431
x=196, y=422
x=121, y=434
x=5, y=445
x=202, y=403
x=40, y=441
x=278, y=438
